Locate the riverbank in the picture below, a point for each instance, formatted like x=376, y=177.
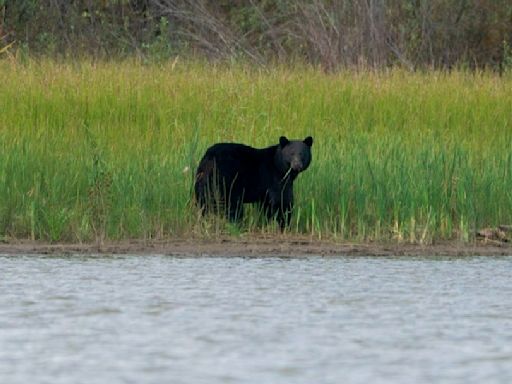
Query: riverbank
x=258, y=247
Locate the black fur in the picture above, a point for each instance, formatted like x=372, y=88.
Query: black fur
x=230, y=175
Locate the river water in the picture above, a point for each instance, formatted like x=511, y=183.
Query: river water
x=159, y=319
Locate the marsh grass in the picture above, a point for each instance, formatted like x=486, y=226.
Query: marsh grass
x=92, y=151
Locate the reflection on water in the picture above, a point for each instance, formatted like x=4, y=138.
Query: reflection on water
x=157, y=319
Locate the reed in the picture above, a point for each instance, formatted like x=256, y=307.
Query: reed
x=95, y=150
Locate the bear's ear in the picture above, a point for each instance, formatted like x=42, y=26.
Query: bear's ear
x=283, y=141
x=308, y=141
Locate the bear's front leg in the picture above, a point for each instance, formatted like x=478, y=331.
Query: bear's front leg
x=284, y=216
x=280, y=207
x=235, y=211
x=286, y=206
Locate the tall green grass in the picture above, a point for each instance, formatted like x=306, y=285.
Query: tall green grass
x=90, y=150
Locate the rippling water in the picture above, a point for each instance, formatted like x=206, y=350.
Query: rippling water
x=157, y=319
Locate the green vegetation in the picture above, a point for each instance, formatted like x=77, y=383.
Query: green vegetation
x=95, y=150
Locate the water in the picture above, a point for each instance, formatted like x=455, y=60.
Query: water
x=157, y=319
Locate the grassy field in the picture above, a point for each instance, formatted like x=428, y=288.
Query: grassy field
x=108, y=150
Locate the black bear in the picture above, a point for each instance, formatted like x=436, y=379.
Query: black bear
x=230, y=175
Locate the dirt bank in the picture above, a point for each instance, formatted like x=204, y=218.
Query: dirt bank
x=271, y=246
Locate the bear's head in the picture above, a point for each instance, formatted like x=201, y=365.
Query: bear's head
x=294, y=155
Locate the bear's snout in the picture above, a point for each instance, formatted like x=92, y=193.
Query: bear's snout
x=296, y=165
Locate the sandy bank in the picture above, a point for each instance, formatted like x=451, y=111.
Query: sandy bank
x=271, y=246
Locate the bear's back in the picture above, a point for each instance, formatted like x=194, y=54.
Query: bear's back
x=237, y=155
x=230, y=149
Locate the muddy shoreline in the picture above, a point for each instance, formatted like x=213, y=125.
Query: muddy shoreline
x=257, y=247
